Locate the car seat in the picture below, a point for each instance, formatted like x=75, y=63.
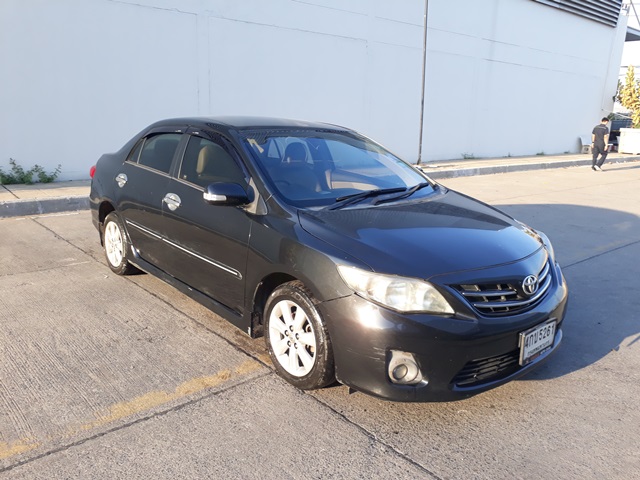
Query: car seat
x=216, y=165
x=295, y=170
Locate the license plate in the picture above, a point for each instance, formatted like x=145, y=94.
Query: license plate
x=537, y=340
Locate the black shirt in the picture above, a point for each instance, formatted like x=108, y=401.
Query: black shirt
x=600, y=131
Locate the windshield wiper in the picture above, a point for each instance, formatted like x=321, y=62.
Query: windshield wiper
x=356, y=197
x=405, y=194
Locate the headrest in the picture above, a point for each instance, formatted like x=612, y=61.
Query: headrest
x=206, y=156
x=295, y=153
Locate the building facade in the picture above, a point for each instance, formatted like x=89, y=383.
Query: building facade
x=502, y=77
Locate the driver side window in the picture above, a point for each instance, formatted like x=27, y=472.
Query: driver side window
x=206, y=162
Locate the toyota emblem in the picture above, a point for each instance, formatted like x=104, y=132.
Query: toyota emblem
x=530, y=285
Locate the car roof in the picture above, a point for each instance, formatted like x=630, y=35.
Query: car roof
x=245, y=123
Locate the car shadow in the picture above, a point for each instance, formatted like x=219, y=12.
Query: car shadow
x=597, y=249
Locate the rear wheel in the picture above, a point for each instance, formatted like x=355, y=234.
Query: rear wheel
x=116, y=245
x=297, y=338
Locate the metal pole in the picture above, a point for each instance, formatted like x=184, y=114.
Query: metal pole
x=424, y=72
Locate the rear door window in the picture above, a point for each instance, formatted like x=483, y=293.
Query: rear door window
x=157, y=151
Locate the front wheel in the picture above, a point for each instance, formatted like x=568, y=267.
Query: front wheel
x=297, y=338
x=116, y=245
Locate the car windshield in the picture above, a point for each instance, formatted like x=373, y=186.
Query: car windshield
x=325, y=168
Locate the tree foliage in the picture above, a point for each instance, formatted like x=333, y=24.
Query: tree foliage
x=629, y=96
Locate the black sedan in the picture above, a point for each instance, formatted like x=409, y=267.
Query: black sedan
x=353, y=264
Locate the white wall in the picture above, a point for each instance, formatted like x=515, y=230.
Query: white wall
x=81, y=77
x=515, y=77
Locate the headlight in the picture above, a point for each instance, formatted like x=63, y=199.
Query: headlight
x=398, y=293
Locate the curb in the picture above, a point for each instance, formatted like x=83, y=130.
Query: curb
x=447, y=172
x=23, y=208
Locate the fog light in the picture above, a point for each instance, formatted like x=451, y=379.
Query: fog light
x=400, y=372
x=403, y=368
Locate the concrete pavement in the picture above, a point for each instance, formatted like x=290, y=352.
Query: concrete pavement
x=41, y=198
x=125, y=377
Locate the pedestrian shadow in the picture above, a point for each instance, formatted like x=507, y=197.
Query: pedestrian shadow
x=598, y=250
x=629, y=167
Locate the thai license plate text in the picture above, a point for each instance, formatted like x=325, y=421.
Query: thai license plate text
x=537, y=340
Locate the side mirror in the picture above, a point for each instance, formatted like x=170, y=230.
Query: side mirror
x=227, y=194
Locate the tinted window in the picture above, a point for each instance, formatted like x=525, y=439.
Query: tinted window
x=158, y=150
x=135, y=152
x=349, y=157
x=207, y=162
x=316, y=168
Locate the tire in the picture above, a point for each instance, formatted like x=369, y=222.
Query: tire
x=297, y=338
x=116, y=246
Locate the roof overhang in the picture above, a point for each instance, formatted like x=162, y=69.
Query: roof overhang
x=633, y=35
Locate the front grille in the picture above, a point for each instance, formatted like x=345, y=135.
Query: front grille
x=504, y=298
x=487, y=369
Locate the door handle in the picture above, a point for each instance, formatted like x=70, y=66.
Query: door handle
x=121, y=179
x=172, y=200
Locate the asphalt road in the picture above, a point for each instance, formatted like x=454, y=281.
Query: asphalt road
x=110, y=377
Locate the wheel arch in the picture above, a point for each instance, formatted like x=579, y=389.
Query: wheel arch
x=104, y=209
x=264, y=288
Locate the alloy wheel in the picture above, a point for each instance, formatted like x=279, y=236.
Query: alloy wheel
x=292, y=338
x=113, y=244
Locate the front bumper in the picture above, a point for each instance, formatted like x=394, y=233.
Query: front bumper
x=458, y=356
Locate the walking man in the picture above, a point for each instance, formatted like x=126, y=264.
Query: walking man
x=599, y=144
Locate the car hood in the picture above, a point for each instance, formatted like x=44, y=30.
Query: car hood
x=447, y=232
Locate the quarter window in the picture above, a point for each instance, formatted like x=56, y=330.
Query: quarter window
x=135, y=152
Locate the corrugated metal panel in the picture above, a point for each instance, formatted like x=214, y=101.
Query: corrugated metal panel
x=603, y=11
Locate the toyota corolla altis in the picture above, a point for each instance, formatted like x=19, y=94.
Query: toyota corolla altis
x=353, y=264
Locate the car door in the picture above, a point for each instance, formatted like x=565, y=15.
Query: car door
x=209, y=242
x=142, y=184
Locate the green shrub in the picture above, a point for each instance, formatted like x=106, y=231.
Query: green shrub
x=19, y=175
x=44, y=177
